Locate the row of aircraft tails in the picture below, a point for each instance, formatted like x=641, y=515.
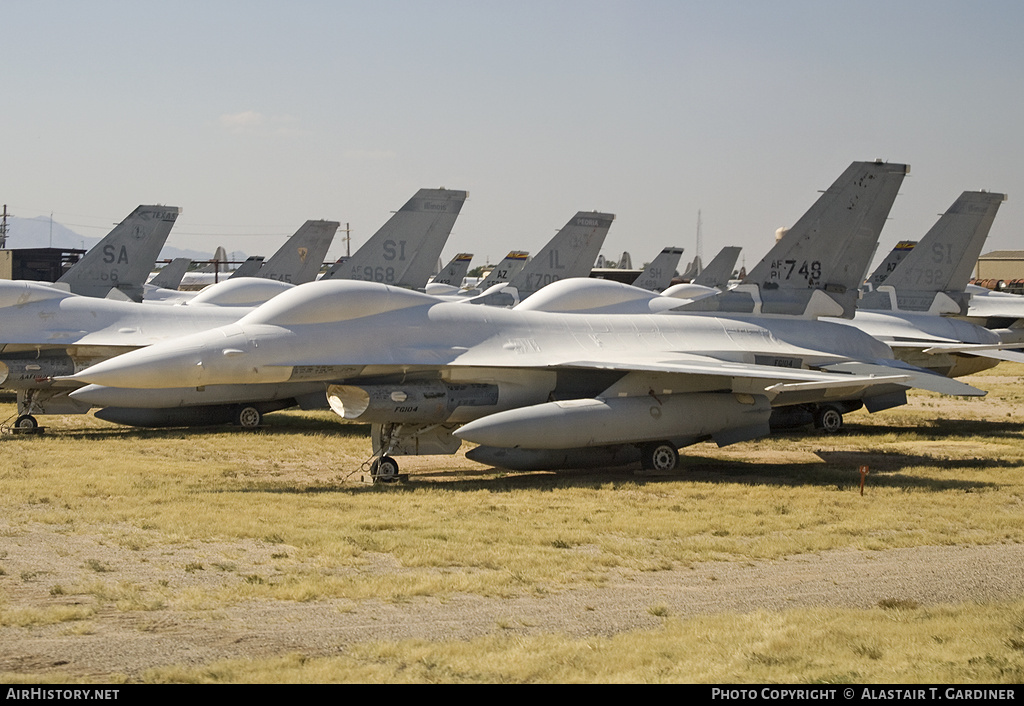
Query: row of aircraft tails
x=539, y=366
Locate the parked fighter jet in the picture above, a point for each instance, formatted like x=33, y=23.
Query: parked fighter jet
x=119, y=265
x=546, y=389
x=541, y=389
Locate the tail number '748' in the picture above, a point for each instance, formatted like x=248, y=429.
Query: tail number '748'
x=792, y=269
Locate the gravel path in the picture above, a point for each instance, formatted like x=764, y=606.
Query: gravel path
x=129, y=642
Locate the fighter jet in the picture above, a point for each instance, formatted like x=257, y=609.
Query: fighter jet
x=539, y=386
x=540, y=389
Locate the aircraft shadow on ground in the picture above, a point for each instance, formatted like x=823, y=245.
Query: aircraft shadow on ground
x=838, y=468
x=289, y=428
x=944, y=429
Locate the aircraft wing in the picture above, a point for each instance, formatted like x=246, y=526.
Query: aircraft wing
x=657, y=368
x=996, y=351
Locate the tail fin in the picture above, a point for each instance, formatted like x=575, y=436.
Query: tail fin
x=249, y=268
x=719, y=270
x=405, y=250
x=693, y=269
x=299, y=260
x=455, y=271
x=125, y=257
x=935, y=274
x=511, y=265
x=817, y=266
x=218, y=263
x=658, y=275
x=169, y=276
x=889, y=264
x=571, y=253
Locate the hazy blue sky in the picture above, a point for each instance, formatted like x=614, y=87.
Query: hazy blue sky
x=255, y=116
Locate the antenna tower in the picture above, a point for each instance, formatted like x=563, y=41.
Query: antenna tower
x=700, y=239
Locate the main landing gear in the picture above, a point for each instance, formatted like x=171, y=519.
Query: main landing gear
x=828, y=418
x=248, y=417
x=659, y=456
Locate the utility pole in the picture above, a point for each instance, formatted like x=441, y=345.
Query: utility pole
x=3, y=230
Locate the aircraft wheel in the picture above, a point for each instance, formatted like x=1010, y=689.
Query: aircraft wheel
x=384, y=469
x=829, y=419
x=659, y=456
x=26, y=421
x=248, y=417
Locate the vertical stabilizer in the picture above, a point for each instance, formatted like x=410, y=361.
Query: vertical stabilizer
x=169, y=276
x=571, y=253
x=658, y=275
x=719, y=270
x=511, y=265
x=890, y=262
x=405, y=250
x=816, y=268
x=249, y=268
x=455, y=271
x=125, y=257
x=935, y=274
x=299, y=260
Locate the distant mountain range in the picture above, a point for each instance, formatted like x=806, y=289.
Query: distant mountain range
x=37, y=233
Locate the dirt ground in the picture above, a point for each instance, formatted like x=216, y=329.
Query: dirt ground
x=128, y=642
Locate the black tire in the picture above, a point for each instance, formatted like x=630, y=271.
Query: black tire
x=829, y=419
x=27, y=422
x=248, y=417
x=384, y=469
x=659, y=456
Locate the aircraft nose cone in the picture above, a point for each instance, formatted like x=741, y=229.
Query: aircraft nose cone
x=147, y=368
